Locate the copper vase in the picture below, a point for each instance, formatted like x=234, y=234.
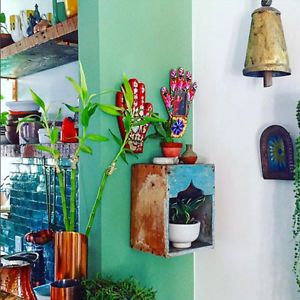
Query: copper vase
x=15, y=279
x=67, y=289
x=70, y=252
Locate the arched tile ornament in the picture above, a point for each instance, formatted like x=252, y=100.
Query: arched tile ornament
x=277, y=154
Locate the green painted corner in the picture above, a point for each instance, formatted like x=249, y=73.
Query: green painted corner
x=144, y=39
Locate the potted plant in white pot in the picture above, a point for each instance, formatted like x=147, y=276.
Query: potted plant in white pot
x=183, y=227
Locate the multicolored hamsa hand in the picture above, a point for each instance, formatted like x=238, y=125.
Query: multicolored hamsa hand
x=179, y=99
x=140, y=108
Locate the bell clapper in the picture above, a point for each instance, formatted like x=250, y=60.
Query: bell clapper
x=268, y=78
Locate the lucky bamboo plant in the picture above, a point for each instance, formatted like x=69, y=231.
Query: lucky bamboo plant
x=86, y=110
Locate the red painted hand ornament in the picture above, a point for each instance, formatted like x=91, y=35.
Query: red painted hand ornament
x=179, y=99
x=140, y=108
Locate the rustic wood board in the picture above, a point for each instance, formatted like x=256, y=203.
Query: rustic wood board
x=148, y=209
x=41, y=51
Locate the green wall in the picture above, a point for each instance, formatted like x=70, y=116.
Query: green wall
x=144, y=39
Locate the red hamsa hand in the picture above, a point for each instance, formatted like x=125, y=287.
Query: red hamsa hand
x=139, y=108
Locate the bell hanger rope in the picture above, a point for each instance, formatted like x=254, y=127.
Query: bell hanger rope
x=266, y=2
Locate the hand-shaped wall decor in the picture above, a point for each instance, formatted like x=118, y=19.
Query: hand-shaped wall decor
x=179, y=99
x=140, y=108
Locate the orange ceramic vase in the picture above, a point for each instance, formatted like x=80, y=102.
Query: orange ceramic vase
x=71, y=255
x=71, y=7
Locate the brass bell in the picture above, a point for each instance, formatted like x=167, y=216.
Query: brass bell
x=267, y=55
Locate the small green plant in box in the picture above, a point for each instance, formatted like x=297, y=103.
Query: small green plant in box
x=183, y=228
x=181, y=211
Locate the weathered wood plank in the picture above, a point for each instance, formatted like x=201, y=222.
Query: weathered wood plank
x=41, y=51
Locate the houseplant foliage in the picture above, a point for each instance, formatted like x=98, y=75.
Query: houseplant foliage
x=296, y=215
x=181, y=211
x=106, y=288
x=183, y=228
x=86, y=111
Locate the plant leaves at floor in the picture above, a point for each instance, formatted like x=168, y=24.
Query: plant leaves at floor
x=108, y=289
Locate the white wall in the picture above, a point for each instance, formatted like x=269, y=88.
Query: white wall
x=253, y=254
x=51, y=85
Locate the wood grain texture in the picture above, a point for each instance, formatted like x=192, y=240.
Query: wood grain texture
x=41, y=51
x=149, y=208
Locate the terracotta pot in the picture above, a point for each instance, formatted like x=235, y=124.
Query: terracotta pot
x=70, y=253
x=67, y=289
x=189, y=156
x=171, y=149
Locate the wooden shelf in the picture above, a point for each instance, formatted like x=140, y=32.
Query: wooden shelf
x=55, y=46
x=153, y=188
x=29, y=150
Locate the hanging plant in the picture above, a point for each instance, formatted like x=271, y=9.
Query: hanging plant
x=296, y=216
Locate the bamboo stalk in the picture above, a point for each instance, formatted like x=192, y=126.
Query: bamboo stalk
x=107, y=172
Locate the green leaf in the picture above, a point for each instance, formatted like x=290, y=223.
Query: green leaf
x=75, y=85
x=72, y=108
x=153, y=119
x=44, y=148
x=160, y=129
x=128, y=93
x=127, y=122
x=110, y=109
x=2, y=18
x=92, y=108
x=85, y=117
x=92, y=96
x=1, y=97
x=123, y=156
x=108, y=91
x=54, y=135
x=97, y=138
x=38, y=100
x=84, y=88
x=117, y=140
x=86, y=149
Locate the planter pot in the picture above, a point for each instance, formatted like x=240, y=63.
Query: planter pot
x=66, y=289
x=182, y=235
x=171, y=149
x=70, y=253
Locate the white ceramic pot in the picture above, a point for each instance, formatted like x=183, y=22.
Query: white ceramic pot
x=43, y=137
x=182, y=235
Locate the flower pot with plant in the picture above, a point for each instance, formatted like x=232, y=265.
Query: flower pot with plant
x=183, y=227
x=163, y=132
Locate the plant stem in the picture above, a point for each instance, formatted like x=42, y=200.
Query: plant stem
x=107, y=172
x=63, y=199
x=73, y=198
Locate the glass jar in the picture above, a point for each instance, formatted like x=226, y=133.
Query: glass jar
x=71, y=7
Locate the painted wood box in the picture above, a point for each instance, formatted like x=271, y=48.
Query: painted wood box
x=153, y=188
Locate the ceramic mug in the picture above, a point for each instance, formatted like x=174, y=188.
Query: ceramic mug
x=28, y=133
x=15, y=28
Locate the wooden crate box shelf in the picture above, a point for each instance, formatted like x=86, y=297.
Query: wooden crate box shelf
x=153, y=187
